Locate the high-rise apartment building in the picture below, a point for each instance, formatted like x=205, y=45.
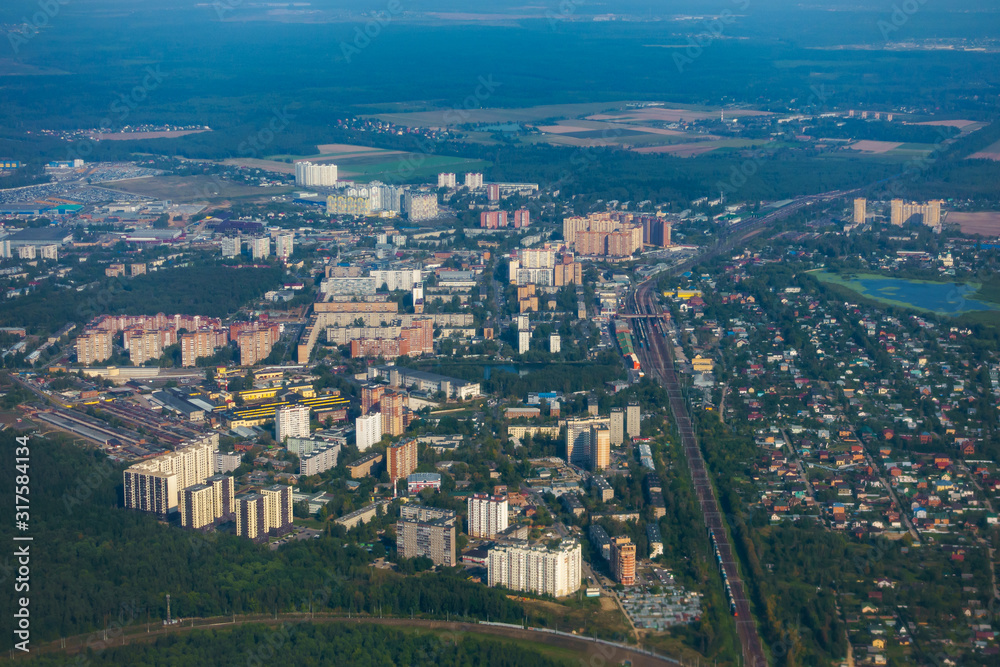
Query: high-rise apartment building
x=231, y=246
x=312, y=175
x=473, y=180
x=319, y=460
x=250, y=516
x=446, y=181
x=284, y=245
x=401, y=459
x=371, y=394
x=144, y=346
x=555, y=343
x=391, y=408
x=523, y=341
x=602, y=234
x=600, y=447
x=578, y=439
x=555, y=571
x=93, y=347
x=432, y=538
x=277, y=509
x=617, y=426
x=260, y=247
x=291, y=421
x=860, y=210
x=154, y=485
x=398, y=279
x=255, y=341
x=930, y=213
x=623, y=560
x=196, y=344
x=487, y=515
x=368, y=430
x=633, y=416
x=420, y=206
x=655, y=231
x=522, y=218
x=493, y=219
x=204, y=505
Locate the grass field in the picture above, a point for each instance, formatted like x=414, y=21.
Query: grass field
x=448, y=116
x=363, y=164
x=405, y=167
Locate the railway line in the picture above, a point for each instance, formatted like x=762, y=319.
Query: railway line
x=656, y=358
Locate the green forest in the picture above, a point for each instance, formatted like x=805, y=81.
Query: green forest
x=91, y=557
x=210, y=290
x=309, y=645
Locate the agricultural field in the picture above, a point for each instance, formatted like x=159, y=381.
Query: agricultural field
x=983, y=223
x=454, y=116
x=991, y=152
x=364, y=163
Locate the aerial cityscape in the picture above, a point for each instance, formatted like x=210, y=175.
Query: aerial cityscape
x=416, y=332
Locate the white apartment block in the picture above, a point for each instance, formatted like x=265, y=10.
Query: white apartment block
x=400, y=279
x=227, y=461
x=536, y=259
x=537, y=568
x=368, y=430
x=633, y=415
x=260, y=247
x=291, y=421
x=523, y=341
x=319, y=460
x=487, y=515
x=473, y=180
x=309, y=174
x=284, y=245
x=446, y=181
x=231, y=246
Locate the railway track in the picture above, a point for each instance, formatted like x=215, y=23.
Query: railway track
x=659, y=363
x=656, y=357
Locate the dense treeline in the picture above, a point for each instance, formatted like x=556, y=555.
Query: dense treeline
x=201, y=290
x=91, y=558
x=881, y=131
x=310, y=644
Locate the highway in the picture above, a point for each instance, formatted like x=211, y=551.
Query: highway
x=656, y=357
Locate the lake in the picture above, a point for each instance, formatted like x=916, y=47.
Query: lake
x=946, y=298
